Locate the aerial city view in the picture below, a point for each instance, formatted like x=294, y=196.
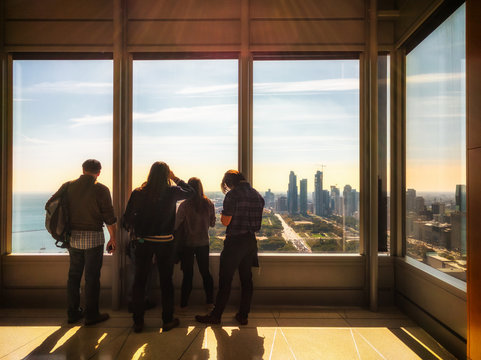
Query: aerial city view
x=436, y=230
x=299, y=222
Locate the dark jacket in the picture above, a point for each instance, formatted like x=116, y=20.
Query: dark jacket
x=89, y=204
x=151, y=217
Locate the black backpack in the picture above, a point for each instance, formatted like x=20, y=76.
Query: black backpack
x=57, y=220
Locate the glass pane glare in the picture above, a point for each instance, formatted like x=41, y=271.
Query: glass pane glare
x=306, y=154
x=185, y=114
x=436, y=148
x=62, y=115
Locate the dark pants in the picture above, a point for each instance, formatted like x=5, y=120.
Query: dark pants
x=164, y=253
x=91, y=260
x=151, y=277
x=240, y=252
x=201, y=253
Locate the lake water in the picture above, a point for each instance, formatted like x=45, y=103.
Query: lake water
x=28, y=225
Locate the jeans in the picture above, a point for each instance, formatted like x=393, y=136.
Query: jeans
x=240, y=252
x=151, y=277
x=91, y=260
x=164, y=253
x=187, y=264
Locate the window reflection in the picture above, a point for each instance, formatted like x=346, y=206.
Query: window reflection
x=436, y=148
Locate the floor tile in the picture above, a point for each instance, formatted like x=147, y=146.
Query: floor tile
x=387, y=322
x=325, y=343
x=322, y=314
x=153, y=344
x=388, y=313
x=14, y=337
x=67, y=343
x=231, y=343
x=312, y=323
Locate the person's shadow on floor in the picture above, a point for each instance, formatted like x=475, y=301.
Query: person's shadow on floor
x=242, y=343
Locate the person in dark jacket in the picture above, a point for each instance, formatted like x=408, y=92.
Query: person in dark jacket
x=242, y=214
x=150, y=213
x=194, y=217
x=89, y=206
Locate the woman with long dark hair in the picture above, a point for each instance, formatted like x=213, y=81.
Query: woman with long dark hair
x=150, y=215
x=195, y=216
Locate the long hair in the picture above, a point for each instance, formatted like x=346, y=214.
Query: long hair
x=199, y=200
x=158, y=180
x=231, y=179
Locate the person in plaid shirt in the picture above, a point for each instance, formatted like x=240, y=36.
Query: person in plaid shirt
x=242, y=214
x=90, y=206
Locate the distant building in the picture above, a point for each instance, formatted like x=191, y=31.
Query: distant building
x=438, y=208
x=303, y=197
x=325, y=203
x=281, y=204
x=269, y=198
x=461, y=198
x=419, y=204
x=336, y=200
x=318, y=193
x=410, y=200
x=292, y=194
x=348, y=201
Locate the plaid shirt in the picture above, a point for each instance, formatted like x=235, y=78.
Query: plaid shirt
x=81, y=239
x=245, y=205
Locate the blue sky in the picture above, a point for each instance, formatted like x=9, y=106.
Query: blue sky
x=62, y=115
x=306, y=114
x=436, y=109
x=185, y=113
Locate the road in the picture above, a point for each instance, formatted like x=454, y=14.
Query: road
x=289, y=234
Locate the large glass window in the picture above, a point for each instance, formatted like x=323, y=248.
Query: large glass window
x=436, y=148
x=185, y=113
x=306, y=154
x=62, y=115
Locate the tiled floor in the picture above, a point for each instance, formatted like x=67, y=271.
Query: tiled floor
x=272, y=333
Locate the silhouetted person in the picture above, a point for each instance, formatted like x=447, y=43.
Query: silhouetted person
x=195, y=216
x=242, y=214
x=90, y=206
x=151, y=213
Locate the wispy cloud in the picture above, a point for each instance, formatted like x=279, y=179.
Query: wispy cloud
x=307, y=86
x=182, y=140
x=208, y=89
x=21, y=100
x=434, y=78
x=202, y=114
x=72, y=87
x=88, y=120
x=278, y=87
x=31, y=140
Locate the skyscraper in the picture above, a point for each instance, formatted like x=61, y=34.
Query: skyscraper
x=269, y=198
x=347, y=201
x=325, y=203
x=410, y=200
x=303, y=197
x=461, y=197
x=318, y=193
x=336, y=200
x=292, y=195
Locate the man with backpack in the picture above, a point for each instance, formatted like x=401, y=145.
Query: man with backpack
x=89, y=206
